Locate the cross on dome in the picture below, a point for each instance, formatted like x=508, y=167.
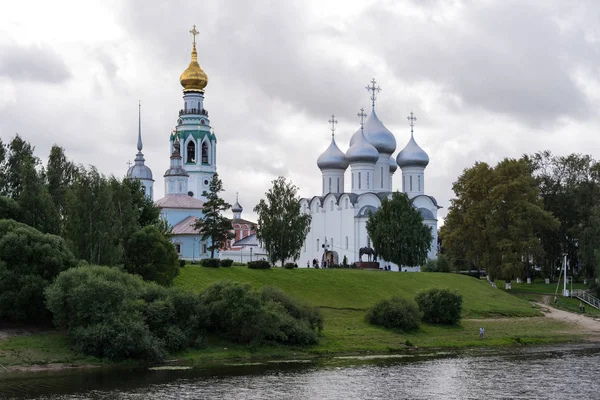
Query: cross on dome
x=373, y=90
x=332, y=121
x=194, y=32
x=362, y=116
x=412, y=120
x=129, y=163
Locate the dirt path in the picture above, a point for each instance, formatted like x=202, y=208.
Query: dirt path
x=581, y=323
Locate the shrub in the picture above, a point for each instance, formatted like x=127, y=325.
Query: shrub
x=210, y=262
x=290, y=266
x=181, y=263
x=397, y=313
x=260, y=264
x=110, y=313
x=439, y=264
x=150, y=254
x=244, y=315
x=29, y=262
x=228, y=262
x=440, y=306
x=345, y=262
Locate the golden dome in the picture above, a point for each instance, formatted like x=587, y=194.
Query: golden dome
x=193, y=78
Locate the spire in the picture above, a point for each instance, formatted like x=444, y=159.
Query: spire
x=139, y=143
x=362, y=116
x=373, y=90
x=412, y=120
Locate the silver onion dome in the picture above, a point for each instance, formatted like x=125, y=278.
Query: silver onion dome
x=362, y=151
x=332, y=158
x=393, y=165
x=412, y=155
x=237, y=207
x=377, y=134
x=139, y=170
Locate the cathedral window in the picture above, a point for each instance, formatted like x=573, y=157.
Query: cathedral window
x=411, y=183
x=346, y=203
x=419, y=182
x=199, y=107
x=368, y=180
x=353, y=180
x=403, y=183
x=191, y=152
x=359, y=180
x=205, y=153
x=338, y=185
x=331, y=206
x=178, y=248
x=346, y=242
x=382, y=177
x=329, y=185
x=204, y=248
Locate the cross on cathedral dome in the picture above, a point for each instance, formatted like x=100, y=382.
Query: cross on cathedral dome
x=193, y=78
x=412, y=155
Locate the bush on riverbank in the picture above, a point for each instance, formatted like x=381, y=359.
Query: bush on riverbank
x=109, y=313
x=29, y=261
x=244, y=315
x=210, y=262
x=259, y=264
x=395, y=313
x=440, y=306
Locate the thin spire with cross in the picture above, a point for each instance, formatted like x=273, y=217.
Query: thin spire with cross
x=333, y=122
x=129, y=163
x=194, y=32
x=236, y=196
x=412, y=120
x=362, y=116
x=373, y=90
x=139, y=143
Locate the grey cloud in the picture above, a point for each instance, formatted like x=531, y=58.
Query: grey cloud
x=504, y=57
x=32, y=63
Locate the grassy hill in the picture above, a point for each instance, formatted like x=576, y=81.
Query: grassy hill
x=358, y=290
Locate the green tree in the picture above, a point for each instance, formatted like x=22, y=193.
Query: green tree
x=497, y=218
x=151, y=255
x=282, y=227
x=29, y=261
x=213, y=225
x=397, y=232
x=60, y=175
x=10, y=209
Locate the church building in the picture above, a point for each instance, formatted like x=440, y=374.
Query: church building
x=339, y=218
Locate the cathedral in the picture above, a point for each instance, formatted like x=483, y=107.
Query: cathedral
x=339, y=218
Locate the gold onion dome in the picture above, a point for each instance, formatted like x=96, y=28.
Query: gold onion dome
x=193, y=78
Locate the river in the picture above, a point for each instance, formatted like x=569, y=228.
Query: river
x=557, y=372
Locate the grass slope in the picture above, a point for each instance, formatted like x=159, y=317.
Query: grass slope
x=359, y=290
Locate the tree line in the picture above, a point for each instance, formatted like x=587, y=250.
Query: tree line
x=520, y=217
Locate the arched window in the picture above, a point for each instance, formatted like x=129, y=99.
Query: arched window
x=346, y=203
x=338, y=185
x=382, y=177
x=199, y=107
x=331, y=206
x=205, y=153
x=191, y=152
x=359, y=180
x=353, y=180
x=419, y=183
x=368, y=180
x=410, y=178
x=329, y=185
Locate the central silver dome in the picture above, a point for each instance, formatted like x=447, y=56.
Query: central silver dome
x=332, y=158
x=377, y=134
x=412, y=155
x=362, y=151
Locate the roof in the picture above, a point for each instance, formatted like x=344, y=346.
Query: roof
x=179, y=201
x=185, y=227
x=242, y=221
x=250, y=240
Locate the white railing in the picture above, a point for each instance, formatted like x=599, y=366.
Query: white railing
x=586, y=297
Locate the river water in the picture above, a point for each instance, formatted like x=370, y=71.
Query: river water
x=557, y=372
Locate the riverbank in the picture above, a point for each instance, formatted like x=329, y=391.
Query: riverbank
x=343, y=296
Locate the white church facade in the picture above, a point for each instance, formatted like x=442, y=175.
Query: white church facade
x=339, y=217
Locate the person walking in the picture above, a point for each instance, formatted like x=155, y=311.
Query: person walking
x=481, y=333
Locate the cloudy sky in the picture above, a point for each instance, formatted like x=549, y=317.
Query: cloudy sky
x=486, y=80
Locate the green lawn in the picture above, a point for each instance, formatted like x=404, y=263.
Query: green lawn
x=538, y=287
x=359, y=290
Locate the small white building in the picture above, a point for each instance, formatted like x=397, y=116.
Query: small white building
x=339, y=218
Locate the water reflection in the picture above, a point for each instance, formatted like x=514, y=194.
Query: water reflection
x=524, y=373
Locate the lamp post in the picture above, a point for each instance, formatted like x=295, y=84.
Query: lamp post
x=565, y=292
x=250, y=254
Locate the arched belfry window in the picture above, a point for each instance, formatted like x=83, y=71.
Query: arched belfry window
x=191, y=152
x=205, y=153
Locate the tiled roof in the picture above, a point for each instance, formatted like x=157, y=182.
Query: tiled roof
x=242, y=221
x=250, y=240
x=179, y=201
x=185, y=227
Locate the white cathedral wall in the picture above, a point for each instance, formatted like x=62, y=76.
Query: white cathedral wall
x=416, y=175
x=382, y=180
